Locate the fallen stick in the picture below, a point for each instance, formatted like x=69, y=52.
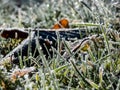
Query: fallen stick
x=24, y=32
x=49, y=39
x=46, y=37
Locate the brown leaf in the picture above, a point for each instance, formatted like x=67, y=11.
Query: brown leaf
x=21, y=72
x=63, y=23
x=14, y=34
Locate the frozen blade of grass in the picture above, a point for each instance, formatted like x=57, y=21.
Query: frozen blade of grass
x=56, y=51
x=29, y=50
x=34, y=60
x=47, y=50
x=19, y=18
x=73, y=52
x=86, y=5
x=70, y=79
x=94, y=85
x=58, y=43
x=76, y=69
x=42, y=55
x=55, y=62
x=42, y=75
x=110, y=85
x=84, y=24
x=105, y=37
x=100, y=75
x=105, y=57
x=21, y=62
x=34, y=51
x=61, y=67
x=91, y=55
x=30, y=40
x=118, y=85
x=52, y=76
x=67, y=47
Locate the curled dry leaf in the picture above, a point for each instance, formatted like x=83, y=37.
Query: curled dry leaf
x=14, y=34
x=63, y=23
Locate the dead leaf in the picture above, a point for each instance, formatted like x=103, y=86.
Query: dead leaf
x=21, y=72
x=16, y=34
x=63, y=23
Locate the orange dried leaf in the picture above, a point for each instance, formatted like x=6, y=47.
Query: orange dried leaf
x=63, y=23
x=56, y=26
